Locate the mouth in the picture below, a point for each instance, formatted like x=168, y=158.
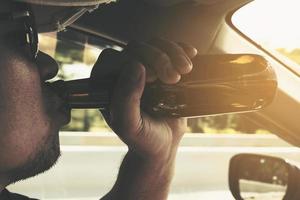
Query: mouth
x=65, y=112
x=58, y=104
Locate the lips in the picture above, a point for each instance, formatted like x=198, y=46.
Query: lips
x=65, y=111
x=58, y=104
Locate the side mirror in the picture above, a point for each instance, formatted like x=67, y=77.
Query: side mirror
x=260, y=177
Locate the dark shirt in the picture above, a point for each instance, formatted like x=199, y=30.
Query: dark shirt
x=6, y=195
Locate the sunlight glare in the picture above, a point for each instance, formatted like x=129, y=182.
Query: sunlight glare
x=273, y=22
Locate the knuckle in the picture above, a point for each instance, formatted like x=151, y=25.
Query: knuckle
x=176, y=46
x=161, y=62
x=163, y=57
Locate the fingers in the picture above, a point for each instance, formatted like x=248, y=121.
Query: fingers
x=179, y=58
x=125, y=106
x=163, y=59
x=156, y=61
x=188, y=49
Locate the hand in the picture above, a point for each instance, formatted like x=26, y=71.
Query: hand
x=151, y=138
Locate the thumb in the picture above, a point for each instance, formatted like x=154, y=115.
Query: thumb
x=107, y=65
x=125, y=104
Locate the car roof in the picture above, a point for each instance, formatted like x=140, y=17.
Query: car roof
x=195, y=22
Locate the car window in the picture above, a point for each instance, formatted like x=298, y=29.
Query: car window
x=273, y=25
x=76, y=53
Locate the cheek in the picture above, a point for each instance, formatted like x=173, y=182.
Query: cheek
x=24, y=105
x=20, y=89
x=24, y=125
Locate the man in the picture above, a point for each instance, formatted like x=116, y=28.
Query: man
x=31, y=114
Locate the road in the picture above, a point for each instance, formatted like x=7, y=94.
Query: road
x=89, y=171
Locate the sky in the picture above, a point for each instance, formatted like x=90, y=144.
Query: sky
x=275, y=23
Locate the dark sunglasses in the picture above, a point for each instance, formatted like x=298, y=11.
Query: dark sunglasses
x=27, y=35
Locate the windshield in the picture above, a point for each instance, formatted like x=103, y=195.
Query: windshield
x=274, y=26
x=76, y=54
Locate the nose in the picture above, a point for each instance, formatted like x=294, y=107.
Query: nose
x=47, y=66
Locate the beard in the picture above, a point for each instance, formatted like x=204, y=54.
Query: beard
x=45, y=157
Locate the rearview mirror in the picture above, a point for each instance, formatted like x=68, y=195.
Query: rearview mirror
x=260, y=177
x=218, y=84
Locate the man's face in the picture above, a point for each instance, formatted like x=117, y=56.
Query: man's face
x=30, y=114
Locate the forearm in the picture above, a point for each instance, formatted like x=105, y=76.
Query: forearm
x=142, y=179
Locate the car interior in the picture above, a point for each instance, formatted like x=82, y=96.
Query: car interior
x=210, y=26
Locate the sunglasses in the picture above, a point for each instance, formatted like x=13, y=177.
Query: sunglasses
x=27, y=35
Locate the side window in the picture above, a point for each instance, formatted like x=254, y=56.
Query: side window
x=76, y=54
x=226, y=124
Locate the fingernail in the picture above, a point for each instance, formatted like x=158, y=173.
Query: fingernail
x=194, y=51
